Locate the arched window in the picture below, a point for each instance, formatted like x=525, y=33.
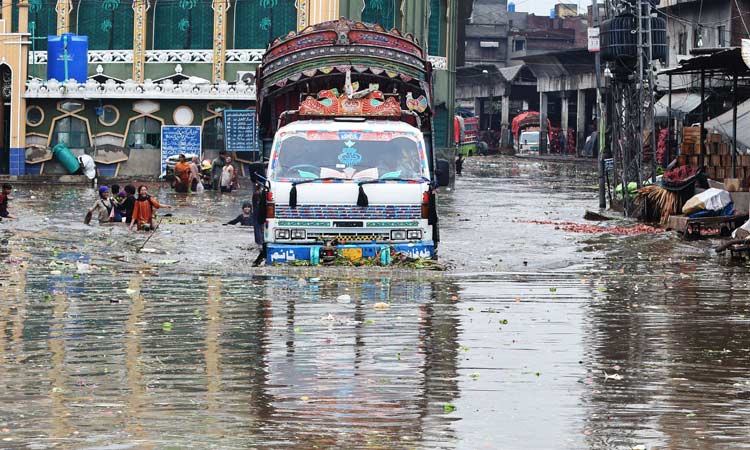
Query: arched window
x=107, y=23
x=258, y=22
x=381, y=12
x=42, y=22
x=71, y=131
x=436, y=42
x=144, y=132
x=213, y=134
x=183, y=25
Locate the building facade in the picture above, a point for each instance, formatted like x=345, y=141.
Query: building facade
x=169, y=62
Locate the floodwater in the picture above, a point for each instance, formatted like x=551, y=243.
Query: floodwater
x=536, y=338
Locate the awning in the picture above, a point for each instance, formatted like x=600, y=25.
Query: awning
x=723, y=125
x=682, y=104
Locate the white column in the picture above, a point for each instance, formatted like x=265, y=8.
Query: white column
x=505, y=121
x=564, y=120
x=580, y=122
x=543, y=123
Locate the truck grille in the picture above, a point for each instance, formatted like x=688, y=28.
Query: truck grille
x=403, y=212
x=349, y=237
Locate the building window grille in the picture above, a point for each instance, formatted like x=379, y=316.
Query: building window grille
x=213, y=134
x=72, y=132
x=144, y=133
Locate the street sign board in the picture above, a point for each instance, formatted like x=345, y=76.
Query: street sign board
x=179, y=139
x=594, y=41
x=240, y=130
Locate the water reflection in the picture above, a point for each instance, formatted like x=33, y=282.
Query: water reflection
x=116, y=359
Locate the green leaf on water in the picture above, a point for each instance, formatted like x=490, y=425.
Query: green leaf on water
x=475, y=375
x=471, y=308
x=466, y=349
x=503, y=321
x=449, y=408
x=602, y=289
x=297, y=329
x=690, y=415
x=47, y=297
x=166, y=326
x=553, y=290
x=370, y=322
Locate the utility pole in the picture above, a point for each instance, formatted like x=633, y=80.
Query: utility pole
x=599, y=112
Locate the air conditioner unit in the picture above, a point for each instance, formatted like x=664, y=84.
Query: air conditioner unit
x=245, y=77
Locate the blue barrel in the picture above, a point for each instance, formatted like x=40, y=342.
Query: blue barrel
x=66, y=158
x=71, y=48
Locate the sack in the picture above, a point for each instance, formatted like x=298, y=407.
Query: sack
x=199, y=188
x=709, y=200
x=742, y=232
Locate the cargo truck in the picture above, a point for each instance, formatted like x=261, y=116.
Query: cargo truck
x=346, y=123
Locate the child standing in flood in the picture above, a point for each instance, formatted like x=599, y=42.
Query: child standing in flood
x=144, y=209
x=4, y=214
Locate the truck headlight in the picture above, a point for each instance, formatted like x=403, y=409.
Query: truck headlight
x=398, y=235
x=282, y=234
x=414, y=234
x=299, y=234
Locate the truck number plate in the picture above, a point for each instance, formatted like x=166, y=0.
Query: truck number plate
x=352, y=254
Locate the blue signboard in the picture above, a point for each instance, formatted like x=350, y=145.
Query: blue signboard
x=240, y=131
x=178, y=139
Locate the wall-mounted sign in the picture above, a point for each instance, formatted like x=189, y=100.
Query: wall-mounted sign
x=178, y=139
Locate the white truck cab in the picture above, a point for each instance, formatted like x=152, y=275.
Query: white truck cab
x=352, y=186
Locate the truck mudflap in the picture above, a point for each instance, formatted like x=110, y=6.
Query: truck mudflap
x=289, y=253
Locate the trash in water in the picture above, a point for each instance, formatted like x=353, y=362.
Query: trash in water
x=381, y=305
x=346, y=298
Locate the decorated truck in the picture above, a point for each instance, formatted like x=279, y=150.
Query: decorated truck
x=465, y=133
x=346, y=124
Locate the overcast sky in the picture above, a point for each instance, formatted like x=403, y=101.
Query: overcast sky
x=542, y=7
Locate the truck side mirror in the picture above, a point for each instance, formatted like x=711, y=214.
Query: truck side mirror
x=443, y=172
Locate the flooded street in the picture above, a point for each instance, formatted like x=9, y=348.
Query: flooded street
x=536, y=338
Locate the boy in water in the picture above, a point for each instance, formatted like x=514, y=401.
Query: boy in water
x=4, y=214
x=246, y=219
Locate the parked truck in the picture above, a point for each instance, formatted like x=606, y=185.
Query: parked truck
x=346, y=123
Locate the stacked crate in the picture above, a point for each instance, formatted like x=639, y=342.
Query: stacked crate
x=718, y=160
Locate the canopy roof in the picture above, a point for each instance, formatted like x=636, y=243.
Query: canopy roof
x=683, y=103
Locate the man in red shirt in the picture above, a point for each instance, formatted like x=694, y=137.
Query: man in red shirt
x=4, y=214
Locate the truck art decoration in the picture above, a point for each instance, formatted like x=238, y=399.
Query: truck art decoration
x=351, y=173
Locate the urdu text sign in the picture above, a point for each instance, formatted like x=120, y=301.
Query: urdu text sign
x=179, y=139
x=240, y=131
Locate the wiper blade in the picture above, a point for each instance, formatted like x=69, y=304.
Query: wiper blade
x=385, y=180
x=313, y=180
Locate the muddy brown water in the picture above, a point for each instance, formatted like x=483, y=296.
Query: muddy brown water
x=536, y=339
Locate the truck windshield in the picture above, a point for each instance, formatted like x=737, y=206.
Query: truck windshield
x=347, y=159
x=530, y=138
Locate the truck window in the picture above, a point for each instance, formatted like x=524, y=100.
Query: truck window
x=299, y=158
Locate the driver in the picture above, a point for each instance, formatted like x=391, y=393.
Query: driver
x=405, y=160
x=291, y=156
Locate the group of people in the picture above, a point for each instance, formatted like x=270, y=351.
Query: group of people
x=134, y=207
x=195, y=176
x=137, y=209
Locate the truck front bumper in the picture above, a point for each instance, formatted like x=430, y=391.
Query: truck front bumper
x=289, y=253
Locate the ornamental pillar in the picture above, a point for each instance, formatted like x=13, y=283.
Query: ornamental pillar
x=140, y=9
x=63, y=8
x=220, y=8
x=311, y=12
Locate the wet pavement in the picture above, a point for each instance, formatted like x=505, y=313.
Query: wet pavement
x=536, y=338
